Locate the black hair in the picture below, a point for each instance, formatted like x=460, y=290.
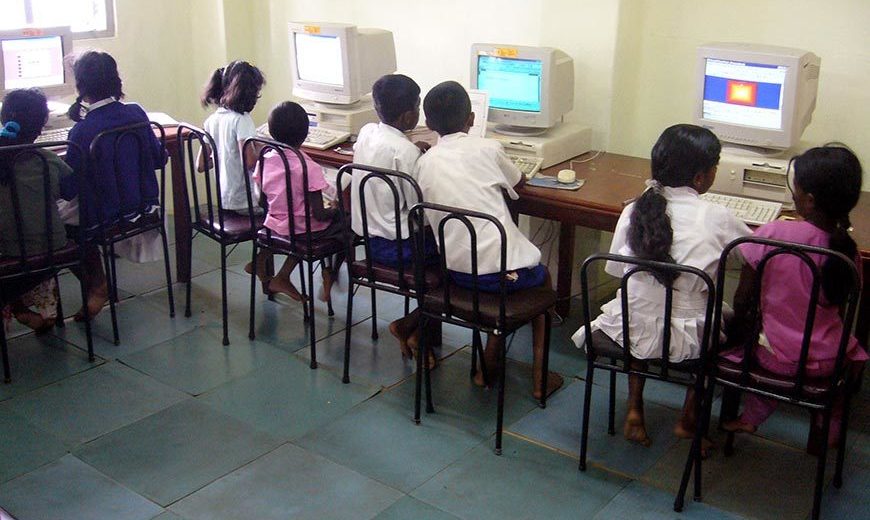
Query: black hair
x=447, y=107
x=96, y=75
x=29, y=110
x=393, y=95
x=288, y=123
x=681, y=152
x=236, y=87
x=833, y=175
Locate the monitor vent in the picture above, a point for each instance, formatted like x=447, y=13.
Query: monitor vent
x=812, y=71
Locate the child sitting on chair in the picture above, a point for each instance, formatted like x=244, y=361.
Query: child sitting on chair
x=472, y=173
x=384, y=145
x=827, y=185
x=668, y=223
x=21, y=120
x=288, y=124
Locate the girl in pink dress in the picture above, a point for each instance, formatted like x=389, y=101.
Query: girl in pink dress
x=827, y=185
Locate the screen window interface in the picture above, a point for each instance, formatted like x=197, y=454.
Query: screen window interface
x=32, y=62
x=512, y=84
x=318, y=58
x=748, y=94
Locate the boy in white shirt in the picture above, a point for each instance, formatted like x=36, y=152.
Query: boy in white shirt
x=384, y=145
x=473, y=173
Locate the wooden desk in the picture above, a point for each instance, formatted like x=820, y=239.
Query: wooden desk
x=611, y=181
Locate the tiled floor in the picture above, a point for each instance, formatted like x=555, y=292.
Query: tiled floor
x=173, y=425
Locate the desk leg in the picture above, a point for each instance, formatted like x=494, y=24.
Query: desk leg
x=181, y=220
x=566, y=266
x=862, y=327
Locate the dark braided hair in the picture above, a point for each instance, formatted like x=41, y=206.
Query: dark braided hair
x=833, y=175
x=236, y=87
x=97, y=78
x=681, y=152
x=29, y=109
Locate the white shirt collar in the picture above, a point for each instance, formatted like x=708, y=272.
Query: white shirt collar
x=101, y=103
x=451, y=137
x=391, y=129
x=682, y=191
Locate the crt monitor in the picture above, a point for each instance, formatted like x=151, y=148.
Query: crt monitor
x=529, y=88
x=338, y=63
x=34, y=57
x=758, y=96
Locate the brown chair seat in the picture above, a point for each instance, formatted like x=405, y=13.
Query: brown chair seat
x=237, y=226
x=319, y=248
x=67, y=254
x=520, y=306
x=390, y=275
x=814, y=388
x=606, y=347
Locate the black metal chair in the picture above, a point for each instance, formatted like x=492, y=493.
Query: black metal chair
x=366, y=273
x=227, y=228
x=604, y=353
x=818, y=394
x=301, y=245
x=491, y=313
x=122, y=147
x=29, y=265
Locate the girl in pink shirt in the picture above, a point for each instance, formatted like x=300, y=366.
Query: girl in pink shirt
x=288, y=124
x=827, y=184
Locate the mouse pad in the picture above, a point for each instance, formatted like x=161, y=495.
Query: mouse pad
x=543, y=181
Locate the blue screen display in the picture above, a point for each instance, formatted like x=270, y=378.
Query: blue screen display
x=512, y=84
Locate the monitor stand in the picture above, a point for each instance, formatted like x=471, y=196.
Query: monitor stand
x=753, y=151
x=347, y=118
x=522, y=131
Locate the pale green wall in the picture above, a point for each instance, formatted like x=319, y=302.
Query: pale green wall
x=634, y=59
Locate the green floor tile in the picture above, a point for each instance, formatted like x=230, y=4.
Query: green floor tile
x=25, y=447
x=36, y=361
x=407, y=508
x=644, y=502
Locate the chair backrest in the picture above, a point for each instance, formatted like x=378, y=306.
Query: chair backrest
x=33, y=257
x=283, y=151
x=465, y=218
x=193, y=141
x=657, y=271
x=395, y=181
x=121, y=166
x=777, y=249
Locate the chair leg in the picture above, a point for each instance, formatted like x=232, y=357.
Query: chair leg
x=418, y=376
x=189, y=282
x=111, y=282
x=820, y=466
x=252, y=302
x=224, y=311
x=476, y=349
x=841, y=442
x=407, y=305
x=499, y=420
x=700, y=432
x=329, y=311
x=58, y=322
x=587, y=402
x=611, y=405
x=312, y=334
x=375, y=315
x=87, y=317
x=168, y=272
x=545, y=365
x=427, y=373
x=304, y=290
x=4, y=351
x=348, y=321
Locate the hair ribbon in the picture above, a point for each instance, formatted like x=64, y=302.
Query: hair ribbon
x=654, y=185
x=10, y=129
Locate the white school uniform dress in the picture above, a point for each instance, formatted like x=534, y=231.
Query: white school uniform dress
x=383, y=146
x=473, y=173
x=701, y=230
x=228, y=127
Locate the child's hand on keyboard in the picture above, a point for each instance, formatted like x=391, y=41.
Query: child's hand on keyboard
x=423, y=146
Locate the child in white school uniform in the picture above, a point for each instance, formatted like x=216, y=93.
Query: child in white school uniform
x=384, y=145
x=669, y=222
x=472, y=173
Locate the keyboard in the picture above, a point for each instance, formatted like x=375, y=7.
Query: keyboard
x=55, y=134
x=529, y=166
x=322, y=138
x=752, y=211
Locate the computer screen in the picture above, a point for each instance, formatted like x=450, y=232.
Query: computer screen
x=529, y=88
x=338, y=63
x=755, y=95
x=35, y=58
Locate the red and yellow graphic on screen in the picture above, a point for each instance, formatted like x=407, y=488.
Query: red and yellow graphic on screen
x=741, y=93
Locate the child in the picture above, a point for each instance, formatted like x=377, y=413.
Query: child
x=471, y=172
x=669, y=222
x=235, y=89
x=126, y=194
x=23, y=115
x=384, y=145
x=827, y=185
x=288, y=124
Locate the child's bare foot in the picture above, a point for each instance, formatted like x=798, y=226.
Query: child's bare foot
x=285, y=286
x=738, y=426
x=554, y=382
x=479, y=380
x=34, y=321
x=96, y=301
x=682, y=432
x=397, y=330
x=634, y=429
x=326, y=288
x=261, y=267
